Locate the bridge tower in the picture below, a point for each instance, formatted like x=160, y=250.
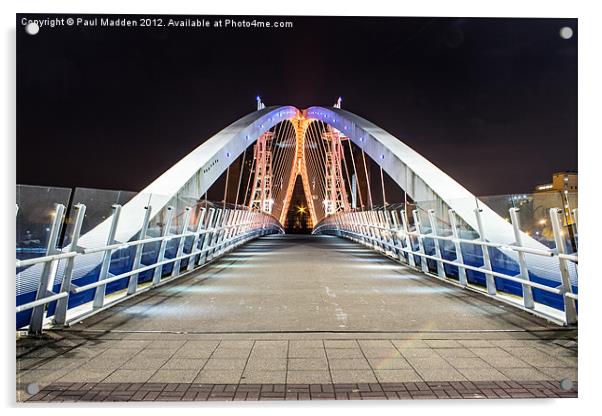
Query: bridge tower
x=336, y=194
x=261, y=194
x=300, y=168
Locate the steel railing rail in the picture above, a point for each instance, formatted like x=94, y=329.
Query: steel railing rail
x=382, y=231
x=215, y=234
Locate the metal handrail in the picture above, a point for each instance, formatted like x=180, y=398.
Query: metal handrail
x=381, y=231
x=216, y=234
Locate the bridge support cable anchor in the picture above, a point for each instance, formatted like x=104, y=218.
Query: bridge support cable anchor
x=60, y=315
x=100, y=292
x=175, y=271
x=570, y=307
x=522, y=263
x=423, y=263
x=133, y=281
x=457, y=247
x=161, y=255
x=48, y=273
x=489, y=279
x=436, y=242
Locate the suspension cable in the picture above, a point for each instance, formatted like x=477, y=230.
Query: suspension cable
x=367, y=180
x=359, y=188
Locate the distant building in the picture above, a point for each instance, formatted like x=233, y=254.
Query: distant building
x=560, y=193
x=561, y=182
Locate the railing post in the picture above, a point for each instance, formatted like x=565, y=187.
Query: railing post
x=60, y=315
x=197, y=237
x=99, y=294
x=408, y=239
x=48, y=272
x=215, y=234
x=133, y=282
x=423, y=262
x=175, y=271
x=207, y=237
x=522, y=263
x=570, y=309
x=397, y=244
x=575, y=228
x=161, y=255
x=489, y=279
x=458, y=248
x=433, y=223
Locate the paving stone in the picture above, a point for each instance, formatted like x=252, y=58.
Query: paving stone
x=307, y=353
x=397, y=375
x=308, y=377
x=306, y=344
x=353, y=376
x=62, y=363
x=557, y=373
x=237, y=344
x=409, y=343
x=482, y=374
x=381, y=352
x=418, y=353
x=455, y=353
x=348, y=364
x=225, y=364
x=263, y=377
x=276, y=352
x=506, y=362
x=375, y=344
x=442, y=343
x=143, y=363
x=266, y=364
x=475, y=343
x=166, y=344
x=219, y=376
x=440, y=374
x=389, y=363
x=329, y=344
x=522, y=373
x=307, y=364
x=270, y=344
x=174, y=376
x=86, y=375
x=491, y=352
x=130, y=376
x=472, y=362
x=184, y=364
x=431, y=362
x=334, y=353
x=231, y=353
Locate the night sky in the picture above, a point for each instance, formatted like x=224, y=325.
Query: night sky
x=492, y=102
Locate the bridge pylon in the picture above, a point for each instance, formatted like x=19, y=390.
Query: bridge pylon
x=261, y=194
x=336, y=195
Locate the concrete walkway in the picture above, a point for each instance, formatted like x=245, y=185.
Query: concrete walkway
x=299, y=311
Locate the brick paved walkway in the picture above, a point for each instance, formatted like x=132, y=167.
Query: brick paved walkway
x=94, y=392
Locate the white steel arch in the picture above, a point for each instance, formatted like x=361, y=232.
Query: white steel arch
x=423, y=181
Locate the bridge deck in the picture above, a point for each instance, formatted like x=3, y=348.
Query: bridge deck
x=309, y=283
x=301, y=309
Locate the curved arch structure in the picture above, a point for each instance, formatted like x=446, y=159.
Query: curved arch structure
x=423, y=181
x=193, y=175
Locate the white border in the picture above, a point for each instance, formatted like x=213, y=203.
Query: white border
x=590, y=96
